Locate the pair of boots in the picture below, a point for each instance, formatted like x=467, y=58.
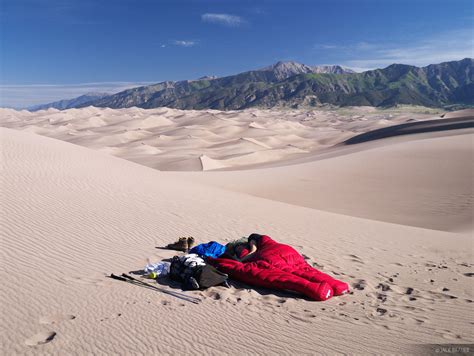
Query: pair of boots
x=183, y=244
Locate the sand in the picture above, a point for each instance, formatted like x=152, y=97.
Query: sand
x=392, y=217
x=425, y=182
x=189, y=140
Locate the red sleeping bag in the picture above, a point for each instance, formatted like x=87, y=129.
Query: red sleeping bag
x=279, y=266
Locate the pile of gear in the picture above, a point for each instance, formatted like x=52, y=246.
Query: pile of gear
x=257, y=260
x=194, y=273
x=191, y=270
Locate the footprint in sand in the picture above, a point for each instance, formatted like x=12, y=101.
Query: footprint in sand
x=360, y=285
x=215, y=295
x=40, y=338
x=354, y=258
x=384, y=287
x=441, y=296
x=55, y=319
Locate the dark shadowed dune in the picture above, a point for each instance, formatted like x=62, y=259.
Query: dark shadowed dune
x=456, y=123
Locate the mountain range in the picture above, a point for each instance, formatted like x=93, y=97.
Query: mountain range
x=69, y=103
x=294, y=84
x=284, y=70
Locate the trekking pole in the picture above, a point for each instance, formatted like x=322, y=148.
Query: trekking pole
x=139, y=283
x=197, y=300
x=120, y=278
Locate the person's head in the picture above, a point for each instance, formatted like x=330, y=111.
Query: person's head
x=233, y=249
x=242, y=250
x=239, y=248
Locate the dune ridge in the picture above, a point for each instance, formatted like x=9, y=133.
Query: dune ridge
x=425, y=182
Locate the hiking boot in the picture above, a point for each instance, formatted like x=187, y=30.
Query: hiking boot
x=180, y=245
x=190, y=242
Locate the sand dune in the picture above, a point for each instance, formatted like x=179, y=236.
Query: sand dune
x=415, y=127
x=459, y=114
x=207, y=133
x=392, y=217
x=426, y=182
x=70, y=215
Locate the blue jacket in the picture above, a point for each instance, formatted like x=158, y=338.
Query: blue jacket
x=210, y=249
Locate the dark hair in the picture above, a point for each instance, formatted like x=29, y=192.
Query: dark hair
x=231, y=246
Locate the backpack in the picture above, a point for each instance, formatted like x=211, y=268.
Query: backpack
x=194, y=273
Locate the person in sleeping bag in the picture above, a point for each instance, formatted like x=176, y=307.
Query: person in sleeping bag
x=261, y=261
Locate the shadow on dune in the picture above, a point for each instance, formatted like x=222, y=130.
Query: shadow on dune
x=172, y=284
x=236, y=286
x=413, y=128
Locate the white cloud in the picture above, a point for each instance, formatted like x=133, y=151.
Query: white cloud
x=359, y=46
x=327, y=46
x=223, y=19
x=21, y=96
x=183, y=43
x=441, y=47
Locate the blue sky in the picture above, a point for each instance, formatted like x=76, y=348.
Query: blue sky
x=54, y=49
